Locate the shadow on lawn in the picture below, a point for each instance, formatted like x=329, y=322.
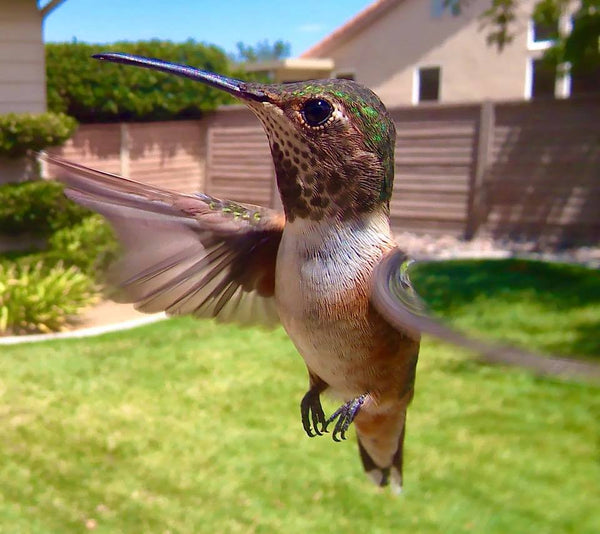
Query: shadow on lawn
x=455, y=289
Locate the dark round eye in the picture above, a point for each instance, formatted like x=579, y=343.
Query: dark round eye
x=316, y=111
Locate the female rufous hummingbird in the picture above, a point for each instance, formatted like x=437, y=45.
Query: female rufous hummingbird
x=327, y=268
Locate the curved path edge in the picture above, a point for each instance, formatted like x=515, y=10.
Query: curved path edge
x=84, y=332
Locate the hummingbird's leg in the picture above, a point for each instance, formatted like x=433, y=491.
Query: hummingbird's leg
x=345, y=414
x=311, y=409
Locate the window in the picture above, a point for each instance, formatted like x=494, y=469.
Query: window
x=427, y=84
x=541, y=35
x=543, y=79
x=544, y=32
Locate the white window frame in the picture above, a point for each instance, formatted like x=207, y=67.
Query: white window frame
x=562, y=84
x=416, y=86
x=537, y=45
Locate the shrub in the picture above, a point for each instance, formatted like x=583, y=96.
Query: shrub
x=90, y=245
x=20, y=133
x=35, y=299
x=94, y=91
x=38, y=207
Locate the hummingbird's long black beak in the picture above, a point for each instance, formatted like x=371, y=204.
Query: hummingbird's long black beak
x=238, y=88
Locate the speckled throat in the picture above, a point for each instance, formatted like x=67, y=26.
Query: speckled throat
x=340, y=171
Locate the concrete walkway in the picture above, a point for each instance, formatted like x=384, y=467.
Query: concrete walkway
x=103, y=318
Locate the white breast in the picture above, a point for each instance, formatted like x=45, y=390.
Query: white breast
x=319, y=264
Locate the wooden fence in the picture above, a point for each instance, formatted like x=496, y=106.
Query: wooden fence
x=518, y=170
x=169, y=154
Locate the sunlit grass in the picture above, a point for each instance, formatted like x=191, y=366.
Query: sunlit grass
x=187, y=426
x=551, y=307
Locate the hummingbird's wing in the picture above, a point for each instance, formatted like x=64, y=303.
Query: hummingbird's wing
x=394, y=297
x=184, y=254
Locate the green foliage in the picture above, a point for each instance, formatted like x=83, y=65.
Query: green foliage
x=34, y=298
x=552, y=306
x=38, y=207
x=189, y=426
x=262, y=51
x=578, y=47
x=20, y=133
x=90, y=245
x=43, y=290
x=94, y=91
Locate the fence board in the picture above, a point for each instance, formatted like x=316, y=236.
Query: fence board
x=543, y=178
x=539, y=179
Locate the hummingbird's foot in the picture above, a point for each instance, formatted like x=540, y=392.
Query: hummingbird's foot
x=345, y=414
x=312, y=412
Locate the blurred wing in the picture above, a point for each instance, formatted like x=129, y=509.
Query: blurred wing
x=394, y=297
x=185, y=254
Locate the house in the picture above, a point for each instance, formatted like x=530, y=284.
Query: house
x=414, y=51
x=22, y=63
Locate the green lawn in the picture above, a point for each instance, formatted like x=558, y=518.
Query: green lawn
x=188, y=426
x=549, y=307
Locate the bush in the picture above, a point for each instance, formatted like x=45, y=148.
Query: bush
x=35, y=299
x=90, y=245
x=94, y=91
x=20, y=133
x=37, y=207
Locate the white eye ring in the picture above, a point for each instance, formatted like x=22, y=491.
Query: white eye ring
x=316, y=112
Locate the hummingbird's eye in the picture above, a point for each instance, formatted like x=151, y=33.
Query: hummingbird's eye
x=316, y=112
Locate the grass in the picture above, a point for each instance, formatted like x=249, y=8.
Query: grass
x=550, y=307
x=188, y=426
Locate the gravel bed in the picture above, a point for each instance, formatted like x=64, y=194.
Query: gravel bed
x=428, y=247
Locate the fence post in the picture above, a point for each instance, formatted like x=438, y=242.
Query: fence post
x=125, y=147
x=485, y=138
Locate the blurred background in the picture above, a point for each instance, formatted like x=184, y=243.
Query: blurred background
x=189, y=426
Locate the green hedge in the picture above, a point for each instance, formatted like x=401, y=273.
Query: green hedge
x=35, y=298
x=43, y=290
x=38, y=207
x=90, y=246
x=22, y=132
x=94, y=91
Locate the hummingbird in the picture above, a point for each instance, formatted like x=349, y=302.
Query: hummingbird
x=310, y=267
x=327, y=268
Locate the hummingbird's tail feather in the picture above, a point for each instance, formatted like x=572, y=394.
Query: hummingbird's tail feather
x=384, y=475
x=380, y=438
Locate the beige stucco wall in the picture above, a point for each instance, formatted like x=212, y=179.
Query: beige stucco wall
x=385, y=55
x=22, y=76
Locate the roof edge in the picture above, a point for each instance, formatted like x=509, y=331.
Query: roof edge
x=361, y=20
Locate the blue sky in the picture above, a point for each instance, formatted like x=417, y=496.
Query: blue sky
x=223, y=23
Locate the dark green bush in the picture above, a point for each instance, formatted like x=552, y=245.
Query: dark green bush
x=90, y=245
x=94, y=91
x=20, y=133
x=38, y=207
x=43, y=290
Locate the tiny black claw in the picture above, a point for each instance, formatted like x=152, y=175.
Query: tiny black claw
x=345, y=414
x=312, y=411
